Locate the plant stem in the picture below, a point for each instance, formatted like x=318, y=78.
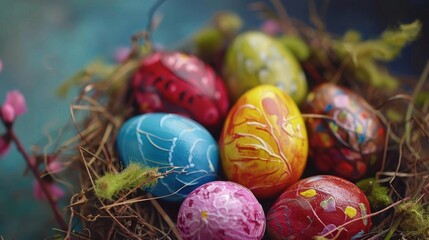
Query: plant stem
x=408, y=115
x=285, y=23
x=393, y=229
x=36, y=174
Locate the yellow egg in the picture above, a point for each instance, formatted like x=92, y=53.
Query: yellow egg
x=264, y=143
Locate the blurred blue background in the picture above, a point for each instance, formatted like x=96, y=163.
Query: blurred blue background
x=43, y=42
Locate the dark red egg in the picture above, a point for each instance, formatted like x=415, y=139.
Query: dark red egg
x=180, y=83
x=348, y=141
x=321, y=205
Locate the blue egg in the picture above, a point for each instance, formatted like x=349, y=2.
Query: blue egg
x=174, y=144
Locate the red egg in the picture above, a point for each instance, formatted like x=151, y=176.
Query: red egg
x=349, y=141
x=322, y=205
x=180, y=83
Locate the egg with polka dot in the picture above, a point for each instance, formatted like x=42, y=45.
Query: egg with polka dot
x=221, y=210
x=184, y=152
x=255, y=58
x=348, y=140
x=324, y=206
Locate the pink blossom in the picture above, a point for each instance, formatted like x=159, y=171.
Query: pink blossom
x=17, y=101
x=54, y=166
x=270, y=27
x=4, y=145
x=55, y=191
x=13, y=106
x=121, y=54
x=7, y=113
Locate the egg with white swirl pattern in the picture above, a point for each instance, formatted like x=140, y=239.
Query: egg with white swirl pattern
x=182, y=149
x=263, y=144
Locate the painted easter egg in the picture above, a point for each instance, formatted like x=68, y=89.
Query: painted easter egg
x=180, y=83
x=254, y=58
x=221, y=210
x=322, y=205
x=263, y=142
x=351, y=141
x=180, y=147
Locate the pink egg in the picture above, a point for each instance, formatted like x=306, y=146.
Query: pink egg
x=221, y=210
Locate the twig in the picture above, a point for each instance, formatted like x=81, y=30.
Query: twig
x=367, y=216
x=287, y=26
x=166, y=217
x=401, y=146
x=36, y=174
x=410, y=108
x=150, y=19
x=314, y=15
x=339, y=72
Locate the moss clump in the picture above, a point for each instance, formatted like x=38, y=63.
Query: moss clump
x=133, y=176
x=297, y=46
x=414, y=220
x=378, y=196
x=365, y=55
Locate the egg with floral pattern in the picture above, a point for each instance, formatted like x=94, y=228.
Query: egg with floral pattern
x=221, y=210
x=255, y=58
x=263, y=143
x=349, y=139
x=322, y=205
x=184, y=152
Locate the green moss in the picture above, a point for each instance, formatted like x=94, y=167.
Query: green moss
x=111, y=184
x=96, y=69
x=364, y=55
x=385, y=48
x=229, y=23
x=208, y=41
x=422, y=97
x=394, y=115
x=297, y=46
x=377, y=195
x=415, y=220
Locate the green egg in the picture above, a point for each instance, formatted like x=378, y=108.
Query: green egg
x=254, y=58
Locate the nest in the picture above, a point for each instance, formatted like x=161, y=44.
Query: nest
x=133, y=215
x=103, y=104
